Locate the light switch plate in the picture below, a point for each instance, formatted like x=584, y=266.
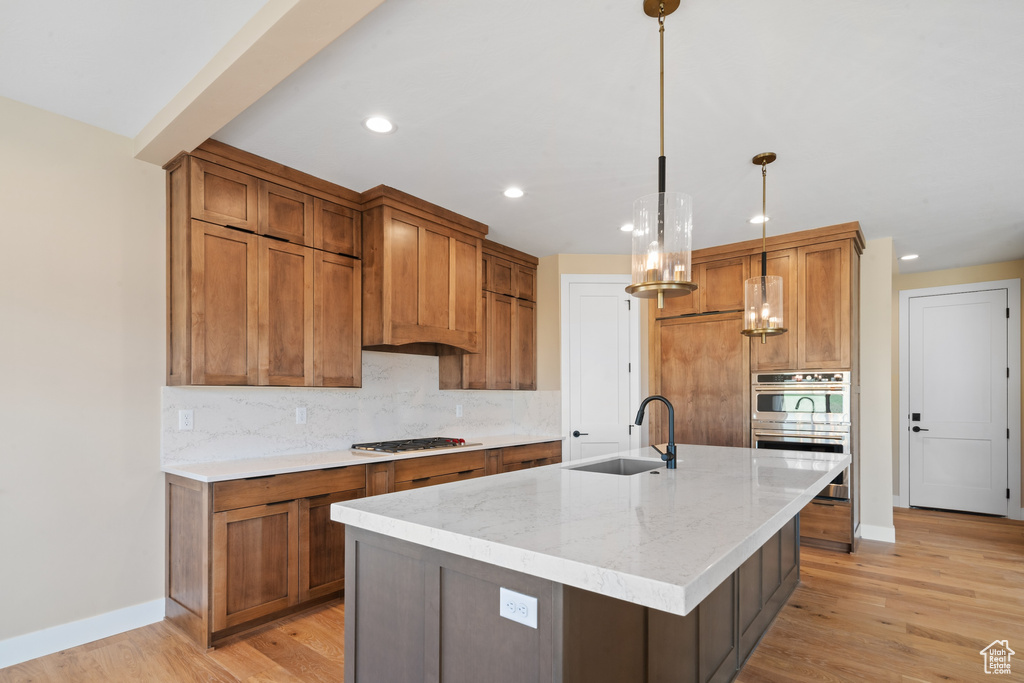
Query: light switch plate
x=517, y=607
x=300, y=415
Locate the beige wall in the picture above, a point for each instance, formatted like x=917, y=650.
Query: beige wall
x=1006, y=270
x=82, y=311
x=549, y=330
x=877, y=265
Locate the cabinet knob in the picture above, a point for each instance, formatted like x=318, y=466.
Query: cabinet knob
x=577, y=433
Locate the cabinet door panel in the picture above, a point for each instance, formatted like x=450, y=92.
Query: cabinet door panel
x=722, y=285
x=225, y=298
x=401, y=247
x=286, y=314
x=285, y=213
x=474, y=365
x=779, y=353
x=703, y=371
x=322, y=545
x=525, y=345
x=688, y=304
x=526, y=283
x=501, y=276
x=223, y=196
x=435, y=279
x=824, y=318
x=336, y=228
x=465, y=276
x=499, y=341
x=255, y=565
x=337, y=321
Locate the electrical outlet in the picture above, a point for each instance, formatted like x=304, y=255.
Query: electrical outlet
x=300, y=415
x=517, y=607
x=458, y=411
x=185, y=420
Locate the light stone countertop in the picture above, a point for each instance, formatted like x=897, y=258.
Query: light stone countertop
x=282, y=464
x=661, y=540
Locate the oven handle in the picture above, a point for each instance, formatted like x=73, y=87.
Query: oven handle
x=831, y=436
x=816, y=391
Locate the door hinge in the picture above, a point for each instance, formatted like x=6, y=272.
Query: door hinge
x=629, y=367
x=631, y=430
x=1007, y=432
x=1007, y=494
x=1007, y=313
x=1007, y=373
x=629, y=307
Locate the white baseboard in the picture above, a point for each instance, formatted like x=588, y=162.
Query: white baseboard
x=56, y=638
x=873, y=532
x=896, y=501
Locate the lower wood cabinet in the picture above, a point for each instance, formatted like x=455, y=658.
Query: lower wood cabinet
x=246, y=551
x=243, y=552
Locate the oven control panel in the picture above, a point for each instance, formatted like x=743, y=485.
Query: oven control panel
x=801, y=377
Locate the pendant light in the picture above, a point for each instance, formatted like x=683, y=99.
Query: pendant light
x=762, y=296
x=662, y=222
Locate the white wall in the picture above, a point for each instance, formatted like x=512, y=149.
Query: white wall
x=81, y=362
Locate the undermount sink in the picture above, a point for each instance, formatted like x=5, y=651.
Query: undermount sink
x=623, y=466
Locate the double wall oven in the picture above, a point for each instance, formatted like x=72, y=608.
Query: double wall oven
x=803, y=411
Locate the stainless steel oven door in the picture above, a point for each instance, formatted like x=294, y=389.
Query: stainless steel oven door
x=828, y=404
x=808, y=440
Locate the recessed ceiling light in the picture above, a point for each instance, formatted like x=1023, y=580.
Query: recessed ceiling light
x=628, y=227
x=379, y=124
x=760, y=219
x=513, y=193
x=908, y=257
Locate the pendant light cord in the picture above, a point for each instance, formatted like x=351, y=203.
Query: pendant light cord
x=661, y=32
x=764, y=192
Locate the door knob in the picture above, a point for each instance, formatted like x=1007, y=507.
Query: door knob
x=577, y=433
x=915, y=428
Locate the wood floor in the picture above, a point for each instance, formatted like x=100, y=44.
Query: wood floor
x=919, y=610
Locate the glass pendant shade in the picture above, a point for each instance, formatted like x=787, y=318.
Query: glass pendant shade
x=662, y=233
x=762, y=307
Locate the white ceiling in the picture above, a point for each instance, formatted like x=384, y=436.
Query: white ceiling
x=904, y=116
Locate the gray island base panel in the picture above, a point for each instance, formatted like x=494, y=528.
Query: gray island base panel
x=672, y=576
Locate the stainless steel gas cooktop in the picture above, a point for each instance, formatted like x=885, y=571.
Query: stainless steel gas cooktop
x=413, y=445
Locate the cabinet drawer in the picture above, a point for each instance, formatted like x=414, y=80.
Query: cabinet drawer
x=533, y=451
x=239, y=493
x=438, y=479
x=434, y=465
x=529, y=464
x=827, y=521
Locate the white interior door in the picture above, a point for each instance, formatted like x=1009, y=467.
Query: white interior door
x=599, y=346
x=958, y=389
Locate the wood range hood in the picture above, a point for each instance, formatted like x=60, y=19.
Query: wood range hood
x=422, y=276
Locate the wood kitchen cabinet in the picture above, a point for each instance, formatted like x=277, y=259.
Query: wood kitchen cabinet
x=508, y=327
x=243, y=552
x=719, y=288
x=530, y=455
x=421, y=275
x=821, y=286
x=702, y=369
x=277, y=308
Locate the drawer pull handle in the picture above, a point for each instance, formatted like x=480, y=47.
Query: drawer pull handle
x=420, y=479
x=465, y=471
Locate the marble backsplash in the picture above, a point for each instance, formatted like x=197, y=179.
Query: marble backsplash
x=399, y=399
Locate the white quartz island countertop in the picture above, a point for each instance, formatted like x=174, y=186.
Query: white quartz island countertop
x=224, y=470
x=663, y=539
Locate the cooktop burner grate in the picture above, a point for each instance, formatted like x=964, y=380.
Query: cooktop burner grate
x=407, y=445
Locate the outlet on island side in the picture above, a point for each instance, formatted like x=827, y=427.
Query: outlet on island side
x=517, y=607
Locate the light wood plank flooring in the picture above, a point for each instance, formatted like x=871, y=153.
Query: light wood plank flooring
x=919, y=610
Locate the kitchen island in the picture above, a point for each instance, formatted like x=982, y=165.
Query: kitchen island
x=661, y=575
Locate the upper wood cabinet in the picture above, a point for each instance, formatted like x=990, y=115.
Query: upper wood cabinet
x=284, y=213
x=336, y=228
x=214, y=320
x=286, y=314
x=827, y=314
x=223, y=196
x=508, y=327
x=421, y=275
x=264, y=309
x=779, y=352
x=719, y=288
x=821, y=284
